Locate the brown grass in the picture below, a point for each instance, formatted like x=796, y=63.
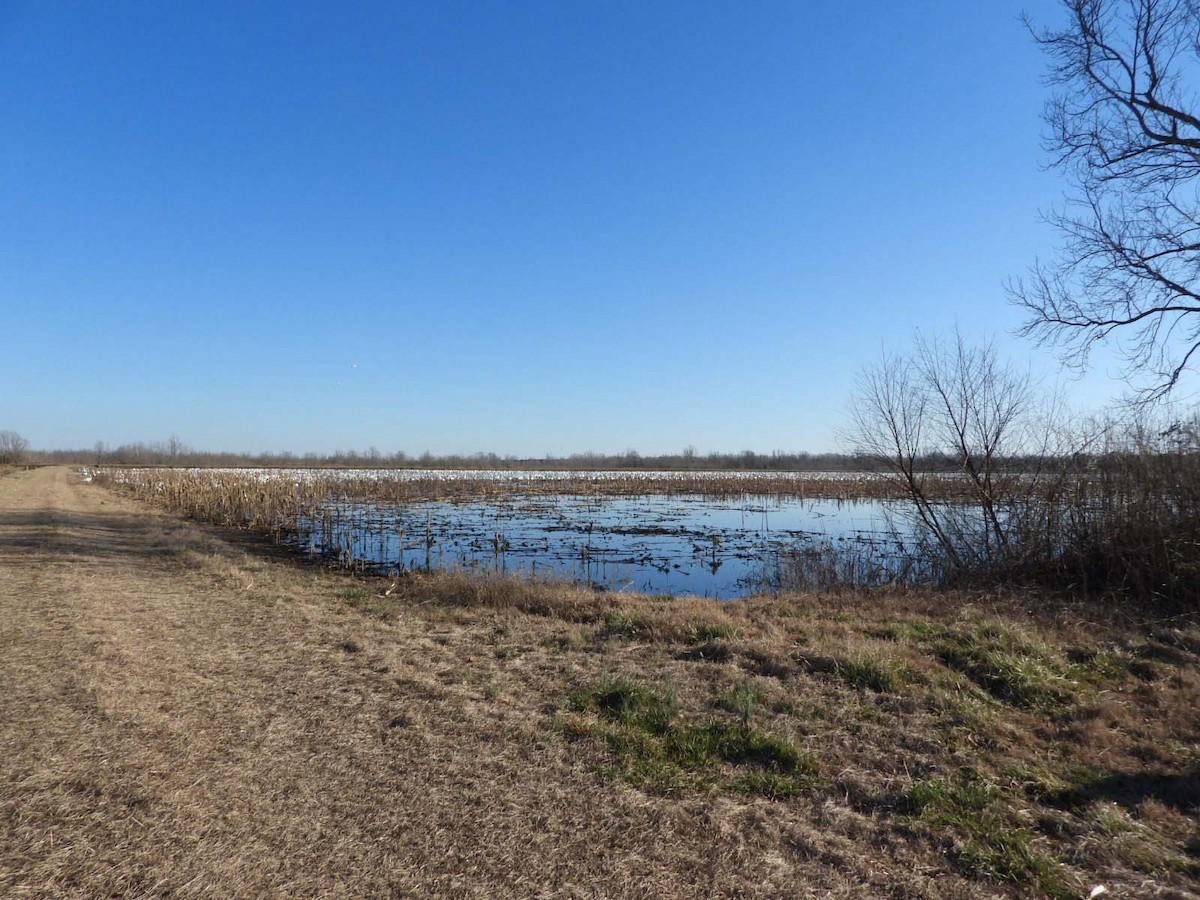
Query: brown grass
x=186, y=715
x=239, y=494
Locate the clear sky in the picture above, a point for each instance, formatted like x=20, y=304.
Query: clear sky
x=521, y=227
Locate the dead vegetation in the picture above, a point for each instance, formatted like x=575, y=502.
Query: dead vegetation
x=253, y=497
x=200, y=720
x=1000, y=741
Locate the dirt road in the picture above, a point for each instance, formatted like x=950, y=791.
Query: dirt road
x=178, y=718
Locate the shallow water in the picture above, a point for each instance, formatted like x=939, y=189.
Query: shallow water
x=680, y=545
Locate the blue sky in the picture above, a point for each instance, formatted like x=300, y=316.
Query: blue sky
x=529, y=228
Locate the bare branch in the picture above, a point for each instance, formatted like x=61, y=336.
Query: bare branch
x=1126, y=129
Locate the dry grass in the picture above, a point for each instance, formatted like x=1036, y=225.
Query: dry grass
x=195, y=717
x=243, y=496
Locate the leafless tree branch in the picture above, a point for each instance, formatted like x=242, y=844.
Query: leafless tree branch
x=1125, y=127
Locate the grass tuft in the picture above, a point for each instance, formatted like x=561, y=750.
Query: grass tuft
x=625, y=701
x=707, y=631
x=1008, y=662
x=628, y=625
x=656, y=750
x=877, y=672
x=989, y=841
x=380, y=606
x=742, y=700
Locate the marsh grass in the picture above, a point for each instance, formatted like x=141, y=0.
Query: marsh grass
x=846, y=566
x=1126, y=524
x=237, y=490
x=1130, y=528
x=349, y=518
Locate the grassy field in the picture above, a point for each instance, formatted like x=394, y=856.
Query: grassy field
x=197, y=714
x=1031, y=749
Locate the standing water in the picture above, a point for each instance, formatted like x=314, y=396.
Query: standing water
x=656, y=544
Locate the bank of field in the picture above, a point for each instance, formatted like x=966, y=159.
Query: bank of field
x=984, y=740
x=194, y=714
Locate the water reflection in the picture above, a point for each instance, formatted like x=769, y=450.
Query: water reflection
x=656, y=544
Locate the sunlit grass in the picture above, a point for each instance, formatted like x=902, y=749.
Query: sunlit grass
x=655, y=749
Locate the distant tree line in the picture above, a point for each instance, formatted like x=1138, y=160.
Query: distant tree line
x=174, y=452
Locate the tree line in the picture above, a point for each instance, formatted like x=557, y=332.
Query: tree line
x=176, y=453
x=173, y=452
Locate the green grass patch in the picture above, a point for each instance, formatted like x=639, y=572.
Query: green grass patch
x=742, y=700
x=1039, y=782
x=1111, y=664
x=908, y=631
x=980, y=821
x=627, y=625
x=881, y=673
x=368, y=602
x=870, y=669
x=354, y=594
x=1007, y=662
x=563, y=642
x=627, y=702
x=657, y=750
x=966, y=717
x=702, y=631
x=1137, y=845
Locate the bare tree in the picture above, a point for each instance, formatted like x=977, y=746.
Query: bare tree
x=12, y=447
x=952, y=399
x=1125, y=128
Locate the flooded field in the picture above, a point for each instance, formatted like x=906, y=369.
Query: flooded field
x=707, y=534
x=653, y=544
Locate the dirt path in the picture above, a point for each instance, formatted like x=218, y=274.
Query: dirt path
x=178, y=718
